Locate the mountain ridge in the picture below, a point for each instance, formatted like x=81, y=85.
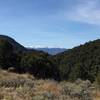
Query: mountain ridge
x=79, y=62
x=52, y=51
x=22, y=60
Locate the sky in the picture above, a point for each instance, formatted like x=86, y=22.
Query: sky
x=50, y=23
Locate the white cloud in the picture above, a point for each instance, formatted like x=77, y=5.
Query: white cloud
x=86, y=12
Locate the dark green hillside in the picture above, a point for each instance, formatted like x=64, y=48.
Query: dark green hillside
x=39, y=65
x=16, y=46
x=22, y=60
x=8, y=56
x=80, y=62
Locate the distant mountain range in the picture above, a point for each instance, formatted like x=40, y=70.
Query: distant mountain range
x=52, y=51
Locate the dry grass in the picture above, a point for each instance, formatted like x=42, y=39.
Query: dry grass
x=33, y=89
x=10, y=75
x=96, y=94
x=49, y=86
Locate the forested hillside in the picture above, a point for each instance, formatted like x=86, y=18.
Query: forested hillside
x=80, y=62
x=15, y=57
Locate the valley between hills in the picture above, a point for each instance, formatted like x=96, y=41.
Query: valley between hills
x=25, y=74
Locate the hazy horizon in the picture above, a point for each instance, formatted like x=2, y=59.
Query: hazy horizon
x=50, y=23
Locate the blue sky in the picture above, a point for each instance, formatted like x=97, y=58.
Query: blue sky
x=50, y=23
